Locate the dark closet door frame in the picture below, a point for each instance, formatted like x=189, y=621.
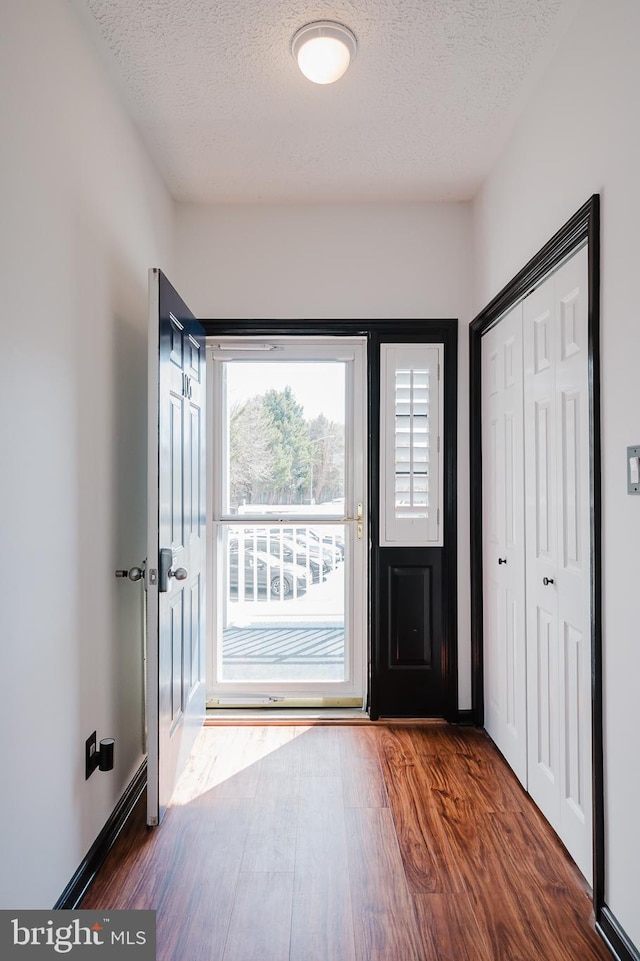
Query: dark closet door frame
x=377, y=331
x=584, y=225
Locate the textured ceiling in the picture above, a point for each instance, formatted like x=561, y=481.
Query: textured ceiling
x=420, y=115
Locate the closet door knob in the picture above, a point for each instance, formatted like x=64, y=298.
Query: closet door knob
x=502, y=560
x=547, y=580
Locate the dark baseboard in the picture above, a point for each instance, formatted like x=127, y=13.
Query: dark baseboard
x=466, y=718
x=616, y=938
x=77, y=886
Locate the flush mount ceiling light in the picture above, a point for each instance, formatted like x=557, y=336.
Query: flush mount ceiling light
x=323, y=50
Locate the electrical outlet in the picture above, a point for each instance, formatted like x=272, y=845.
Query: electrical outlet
x=91, y=759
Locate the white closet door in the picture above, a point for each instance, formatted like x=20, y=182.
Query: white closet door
x=558, y=555
x=503, y=541
x=574, y=557
x=542, y=560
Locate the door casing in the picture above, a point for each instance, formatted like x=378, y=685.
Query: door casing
x=583, y=225
x=418, y=330
x=405, y=690
x=294, y=349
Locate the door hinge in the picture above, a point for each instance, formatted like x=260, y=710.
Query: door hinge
x=438, y=517
x=438, y=370
x=438, y=445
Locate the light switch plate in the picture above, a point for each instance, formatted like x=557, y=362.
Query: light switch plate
x=633, y=480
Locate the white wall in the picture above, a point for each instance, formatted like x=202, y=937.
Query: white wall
x=579, y=136
x=82, y=217
x=339, y=262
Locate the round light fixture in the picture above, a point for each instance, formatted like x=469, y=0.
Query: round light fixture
x=323, y=50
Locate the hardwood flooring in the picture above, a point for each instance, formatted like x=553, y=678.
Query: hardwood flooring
x=380, y=842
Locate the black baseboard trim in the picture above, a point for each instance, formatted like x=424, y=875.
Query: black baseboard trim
x=614, y=935
x=467, y=718
x=93, y=861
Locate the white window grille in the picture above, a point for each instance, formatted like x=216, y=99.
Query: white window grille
x=411, y=431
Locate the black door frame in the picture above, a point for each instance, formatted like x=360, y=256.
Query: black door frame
x=584, y=225
x=418, y=330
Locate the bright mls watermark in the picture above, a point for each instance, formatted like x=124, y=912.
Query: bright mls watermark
x=79, y=935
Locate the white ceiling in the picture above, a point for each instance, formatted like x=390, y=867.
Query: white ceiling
x=421, y=114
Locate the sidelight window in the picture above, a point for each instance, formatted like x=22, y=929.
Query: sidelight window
x=411, y=431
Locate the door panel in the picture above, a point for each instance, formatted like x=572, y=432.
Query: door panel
x=544, y=505
x=542, y=604
x=177, y=666
x=513, y=614
x=410, y=618
x=175, y=549
x=570, y=459
x=176, y=473
x=494, y=656
x=503, y=541
x=558, y=572
x=195, y=662
x=194, y=473
x=543, y=765
x=573, y=652
x=574, y=560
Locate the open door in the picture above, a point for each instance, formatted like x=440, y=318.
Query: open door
x=176, y=549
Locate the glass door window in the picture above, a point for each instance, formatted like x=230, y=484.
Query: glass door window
x=287, y=538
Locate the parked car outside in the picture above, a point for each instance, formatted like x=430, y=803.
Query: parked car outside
x=294, y=553
x=330, y=555
x=305, y=548
x=264, y=574
x=327, y=540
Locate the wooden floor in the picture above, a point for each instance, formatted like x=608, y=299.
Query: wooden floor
x=351, y=843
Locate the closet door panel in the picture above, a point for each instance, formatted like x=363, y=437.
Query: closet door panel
x=574, y=560
x=493, y=538
x=541, y=527
x=556, y=416
x=543, y=722
x=503, y=541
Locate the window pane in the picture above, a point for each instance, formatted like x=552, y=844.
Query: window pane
x=284, y=437
x=283, y=600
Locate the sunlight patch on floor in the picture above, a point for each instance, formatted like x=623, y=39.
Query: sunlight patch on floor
x=220, y=754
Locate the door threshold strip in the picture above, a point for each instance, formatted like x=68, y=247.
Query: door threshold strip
x=308, y=716
x=288, y=715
